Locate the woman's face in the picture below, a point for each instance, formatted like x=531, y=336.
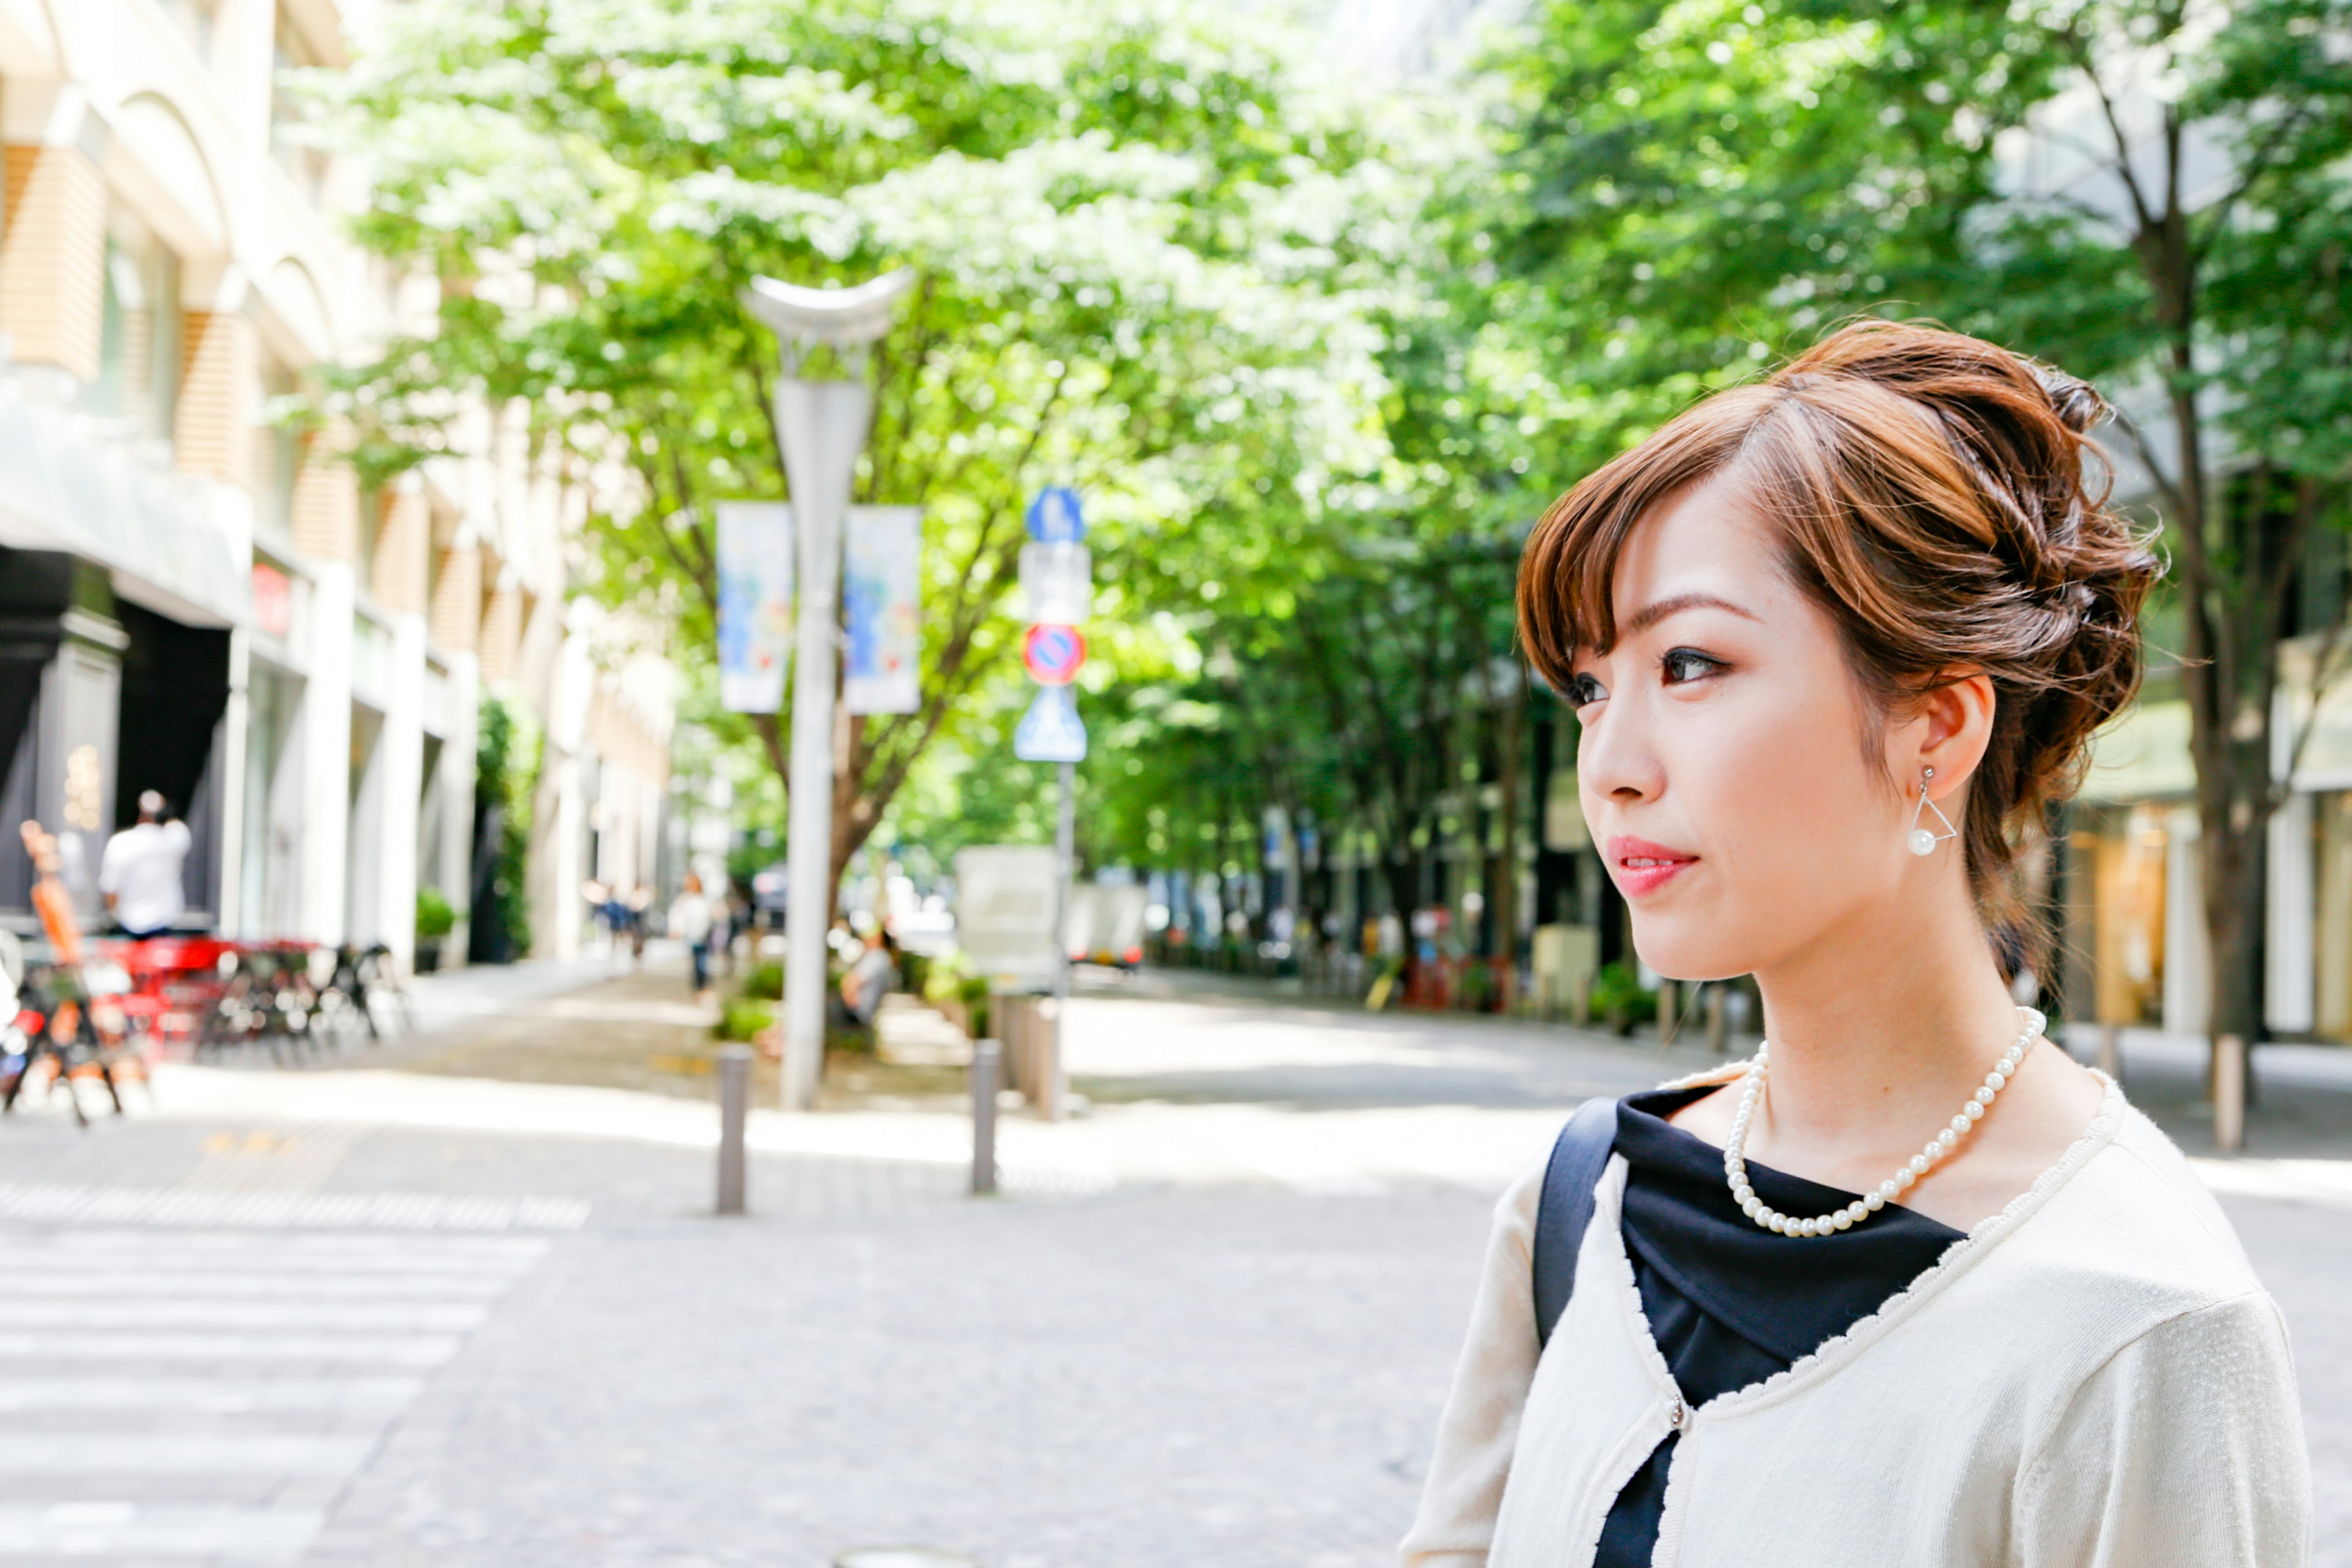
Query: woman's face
x=1721, y=762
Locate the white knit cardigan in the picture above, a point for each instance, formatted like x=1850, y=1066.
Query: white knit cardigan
x=2092, y=1377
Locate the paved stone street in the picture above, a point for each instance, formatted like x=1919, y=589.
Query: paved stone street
x=458, y=1298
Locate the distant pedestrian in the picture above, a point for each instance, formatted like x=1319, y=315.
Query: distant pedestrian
x=140, y=871
x=867, y=979
x=689, y=921
x=738, y=919
x=634, y=914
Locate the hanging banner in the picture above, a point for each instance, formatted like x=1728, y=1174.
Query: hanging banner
x=882, y=610
x=755, y=604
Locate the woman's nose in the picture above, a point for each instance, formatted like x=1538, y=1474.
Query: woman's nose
x=1615, y=761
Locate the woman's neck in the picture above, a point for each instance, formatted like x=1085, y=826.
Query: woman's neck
x=1883, y=1028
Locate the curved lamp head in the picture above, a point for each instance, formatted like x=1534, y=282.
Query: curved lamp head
x=841, y=319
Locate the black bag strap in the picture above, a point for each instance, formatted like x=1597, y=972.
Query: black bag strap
x=1565, y=1211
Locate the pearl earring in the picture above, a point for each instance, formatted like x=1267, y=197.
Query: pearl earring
x=1921, y=841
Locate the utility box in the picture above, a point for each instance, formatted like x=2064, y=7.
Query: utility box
x=1567, y=957
x=1005, y=913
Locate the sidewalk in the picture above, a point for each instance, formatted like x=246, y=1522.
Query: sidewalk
x=1210, y=1321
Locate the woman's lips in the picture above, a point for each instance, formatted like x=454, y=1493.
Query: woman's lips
x=1640, y=867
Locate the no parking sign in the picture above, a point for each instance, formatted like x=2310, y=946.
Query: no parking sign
x=1053, y=653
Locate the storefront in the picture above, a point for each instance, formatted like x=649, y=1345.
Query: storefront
x=2133, y=944
x=122, y=590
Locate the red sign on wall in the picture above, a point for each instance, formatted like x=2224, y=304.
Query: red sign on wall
x=273, y=601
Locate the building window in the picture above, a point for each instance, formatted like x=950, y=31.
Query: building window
x=277, y=449
x=372, y=505
x=289, y=132
x=2127, y=851
x=2332, y=931
x=139, y=352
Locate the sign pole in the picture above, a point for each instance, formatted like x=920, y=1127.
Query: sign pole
x=1065, y=837
x=1056, y=578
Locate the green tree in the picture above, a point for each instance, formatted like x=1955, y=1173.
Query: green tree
x=2194, y=255
x=1130, y=224
x=2127, y=187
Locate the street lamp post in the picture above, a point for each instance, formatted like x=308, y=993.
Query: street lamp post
x=824, y=425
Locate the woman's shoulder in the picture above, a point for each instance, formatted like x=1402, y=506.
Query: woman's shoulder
x=2136, y=1216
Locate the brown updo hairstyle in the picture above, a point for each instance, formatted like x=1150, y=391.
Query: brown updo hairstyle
x=1941, y=500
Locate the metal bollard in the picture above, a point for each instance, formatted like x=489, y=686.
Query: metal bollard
x=2230, y=1072
x=985, y=1055
x=2111, y=1051
x=734, y=1101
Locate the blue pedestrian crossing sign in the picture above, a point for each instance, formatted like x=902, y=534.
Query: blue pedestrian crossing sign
x=1051, y=731
x=1055, y=518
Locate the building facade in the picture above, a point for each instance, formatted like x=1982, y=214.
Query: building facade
x=197, y=594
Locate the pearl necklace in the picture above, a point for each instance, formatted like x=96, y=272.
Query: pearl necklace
x=1735, y=1163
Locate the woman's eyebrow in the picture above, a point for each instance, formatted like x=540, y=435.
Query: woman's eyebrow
x=1651, y=614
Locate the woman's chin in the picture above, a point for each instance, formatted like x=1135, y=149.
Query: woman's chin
x=1691, y=955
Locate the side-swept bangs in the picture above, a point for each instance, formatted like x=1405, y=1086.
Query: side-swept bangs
x=1571, y=555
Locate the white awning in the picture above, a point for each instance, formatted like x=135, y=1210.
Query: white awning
x=69, y=484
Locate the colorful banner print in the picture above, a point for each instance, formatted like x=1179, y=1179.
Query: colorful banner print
x=881, y=596
x=755, y=604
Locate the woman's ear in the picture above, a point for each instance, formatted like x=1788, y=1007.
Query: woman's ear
x=1953, y=726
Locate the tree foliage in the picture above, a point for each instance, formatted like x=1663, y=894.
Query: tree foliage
x=1318, y=361
x=1138, y=235
x=1675, y=193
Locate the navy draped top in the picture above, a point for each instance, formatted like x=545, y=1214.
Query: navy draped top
x=1729, y=1302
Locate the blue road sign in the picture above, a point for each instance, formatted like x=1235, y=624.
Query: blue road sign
x=1054, y=517
x=1051, y=731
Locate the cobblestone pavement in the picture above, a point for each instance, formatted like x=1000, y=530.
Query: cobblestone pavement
x=459, y=1299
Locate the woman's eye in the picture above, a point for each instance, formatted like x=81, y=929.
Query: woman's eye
x=1687, y=663
x=1583, y=690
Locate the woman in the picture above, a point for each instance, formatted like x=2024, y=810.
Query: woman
x=1910, y=1286
x=689, y=921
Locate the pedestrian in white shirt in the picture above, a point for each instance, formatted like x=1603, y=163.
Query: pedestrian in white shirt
x=140, y=871
x=689, y=921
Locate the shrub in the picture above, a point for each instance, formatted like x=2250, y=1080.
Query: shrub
x=507, y=754
x=915, y=972
x=1618, y=997
x=742, y=1017
x=435, y=918
x=765, y=983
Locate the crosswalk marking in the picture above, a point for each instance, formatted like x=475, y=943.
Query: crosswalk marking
x=211, y=1396
x=89, y=1529
x=184, y=1314
x=116, y=1454
x=192, y=1385
x=388, y=1349
x=120, y=1282
x=63, y=1203
x=393, y=1251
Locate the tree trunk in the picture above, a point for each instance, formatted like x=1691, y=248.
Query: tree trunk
x=1503, y=905
x=2234, y=859
x=1402, y=868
